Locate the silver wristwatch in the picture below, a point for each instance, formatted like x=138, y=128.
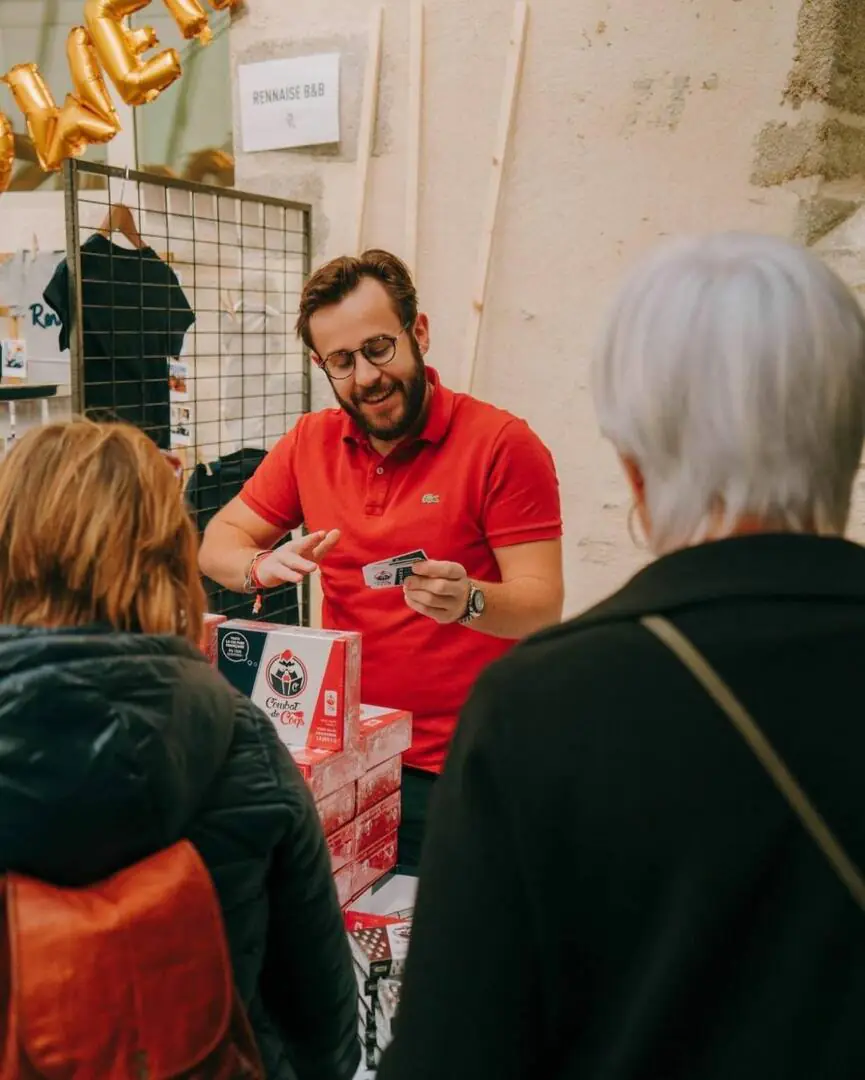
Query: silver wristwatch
x=475, y=606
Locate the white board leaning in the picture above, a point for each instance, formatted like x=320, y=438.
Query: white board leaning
x=289, y=103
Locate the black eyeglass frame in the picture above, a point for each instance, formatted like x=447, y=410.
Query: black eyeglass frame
x=352, y=353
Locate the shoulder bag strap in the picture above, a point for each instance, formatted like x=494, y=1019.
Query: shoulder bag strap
x=744, y=723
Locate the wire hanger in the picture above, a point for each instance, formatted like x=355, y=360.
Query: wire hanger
x=123, y=184
x=119, y=219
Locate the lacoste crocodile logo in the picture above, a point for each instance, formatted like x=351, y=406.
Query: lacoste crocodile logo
x=430, y=500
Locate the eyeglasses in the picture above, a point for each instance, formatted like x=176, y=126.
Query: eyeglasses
x=378, y=351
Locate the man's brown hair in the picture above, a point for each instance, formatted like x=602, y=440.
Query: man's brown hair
x=93, y=530
x=335, y=280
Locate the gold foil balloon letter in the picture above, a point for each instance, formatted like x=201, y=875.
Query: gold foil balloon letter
x=88, y=84
x=7, y=152
x=138, y=81
x=191, y=17
x=142, y=39
x=87, y=115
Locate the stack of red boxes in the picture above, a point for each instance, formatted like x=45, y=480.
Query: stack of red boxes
x=209, y=645
x=361, y=815
x=308, y=683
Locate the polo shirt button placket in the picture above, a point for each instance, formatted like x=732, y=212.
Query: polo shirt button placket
x=376, y=489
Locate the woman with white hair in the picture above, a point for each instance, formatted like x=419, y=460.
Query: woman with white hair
x=645, y=857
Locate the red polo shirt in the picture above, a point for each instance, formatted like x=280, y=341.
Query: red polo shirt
x=475, y=479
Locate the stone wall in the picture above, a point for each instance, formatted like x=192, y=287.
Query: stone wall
x=817, y=150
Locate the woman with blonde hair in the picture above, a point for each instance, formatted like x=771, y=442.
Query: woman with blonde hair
x=647, y=857
x=117, y=739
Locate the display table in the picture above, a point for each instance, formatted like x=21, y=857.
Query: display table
x=11, y=393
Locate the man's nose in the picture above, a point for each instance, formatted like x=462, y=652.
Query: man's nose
x=365, y=373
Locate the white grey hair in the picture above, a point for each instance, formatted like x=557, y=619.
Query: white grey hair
x=732, y=372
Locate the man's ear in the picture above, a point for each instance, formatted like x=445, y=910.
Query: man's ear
x=421, y=333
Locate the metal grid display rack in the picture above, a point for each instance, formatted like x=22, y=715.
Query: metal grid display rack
x=181, y=303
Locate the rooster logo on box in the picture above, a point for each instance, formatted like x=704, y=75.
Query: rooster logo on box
x=286, y=675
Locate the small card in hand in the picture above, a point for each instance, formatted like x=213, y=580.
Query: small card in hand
x=392, y=573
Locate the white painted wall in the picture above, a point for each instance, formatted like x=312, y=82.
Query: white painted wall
x=635, y=120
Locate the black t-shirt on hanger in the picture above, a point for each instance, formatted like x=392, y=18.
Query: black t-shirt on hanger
x=135, y=316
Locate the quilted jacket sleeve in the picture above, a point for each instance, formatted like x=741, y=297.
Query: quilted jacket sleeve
x=308, y=981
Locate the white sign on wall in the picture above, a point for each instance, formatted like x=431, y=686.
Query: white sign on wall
x=289, y=103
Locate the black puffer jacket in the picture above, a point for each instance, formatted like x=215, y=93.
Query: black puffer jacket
x=113, y=746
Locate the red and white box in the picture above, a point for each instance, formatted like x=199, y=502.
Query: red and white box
x=392, y=902
x=384, y=734
x=376, y=824
x=209, y=644
x=378, y=783
x=374, y=865
x=342, y=845
x=344, y=881
x=338, y=809
x=306, y=681
x=326, y=772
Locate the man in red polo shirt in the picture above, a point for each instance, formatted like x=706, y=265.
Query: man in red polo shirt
x=402, y=464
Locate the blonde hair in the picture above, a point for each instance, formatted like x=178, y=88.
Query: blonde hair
x=93, y=530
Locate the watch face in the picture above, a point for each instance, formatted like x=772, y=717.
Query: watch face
x=478, y=602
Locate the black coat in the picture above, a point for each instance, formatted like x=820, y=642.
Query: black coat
x=114, y=746
x=613, y=889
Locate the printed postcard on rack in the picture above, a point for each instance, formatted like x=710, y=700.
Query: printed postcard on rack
x=14, y=357
x=181, y=425
x=178, y=380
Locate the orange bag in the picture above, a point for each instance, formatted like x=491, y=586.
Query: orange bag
x=129, y=979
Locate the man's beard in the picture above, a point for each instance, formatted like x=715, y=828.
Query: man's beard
x=412, y=392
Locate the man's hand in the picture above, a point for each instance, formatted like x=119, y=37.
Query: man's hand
x=293, y=561
x=439, y=590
